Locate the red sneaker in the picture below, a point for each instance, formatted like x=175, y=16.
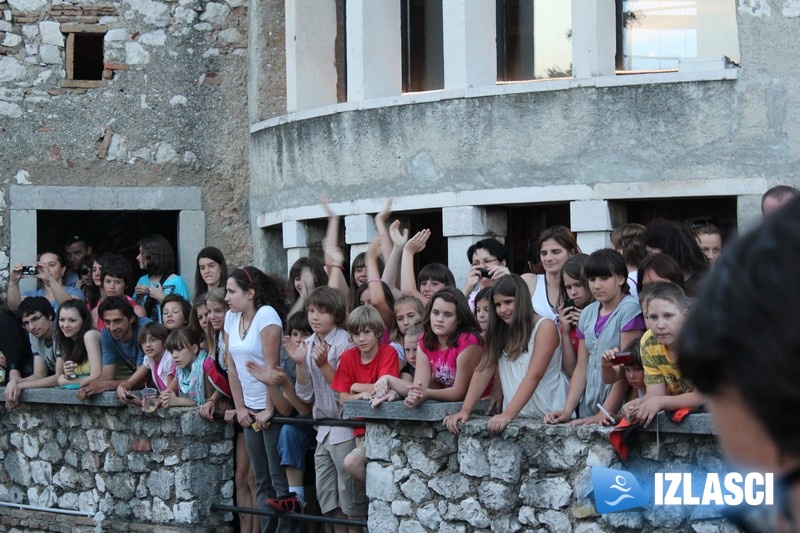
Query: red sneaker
x=286, y=504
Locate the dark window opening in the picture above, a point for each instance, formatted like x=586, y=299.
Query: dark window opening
x=109, y=231
x=422, y=44
x=681, y=210
x=525, y=223
x=87, y=56
x=534, y=39
x=340, y=47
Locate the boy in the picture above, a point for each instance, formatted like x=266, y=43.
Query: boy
x=116, y=276
x=38, y=319
x=359, y=369
x=666, y=307
x=317, y=359
x=294, y=439
x=390, y=388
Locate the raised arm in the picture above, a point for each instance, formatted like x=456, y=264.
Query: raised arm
x=334, y=258
x=376, y=296
x=380, y=226
x=13, y=296
x=408, y=280
x=391, y=273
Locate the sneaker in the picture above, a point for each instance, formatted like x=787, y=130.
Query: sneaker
x=286, y=504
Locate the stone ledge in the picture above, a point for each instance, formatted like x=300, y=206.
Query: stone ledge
x=67, y=397
x=430, y=411
x=695, y=424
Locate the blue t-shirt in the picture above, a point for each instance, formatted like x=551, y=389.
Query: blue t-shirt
x=174, y=285
x=127, y=356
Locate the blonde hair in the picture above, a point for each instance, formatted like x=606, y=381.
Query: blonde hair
x=365, y=317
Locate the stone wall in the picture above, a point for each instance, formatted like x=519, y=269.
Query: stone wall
x=533, y=477
x=126, y=470
x=172, y=113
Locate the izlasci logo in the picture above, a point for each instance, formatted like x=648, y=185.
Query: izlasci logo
x=616, y=490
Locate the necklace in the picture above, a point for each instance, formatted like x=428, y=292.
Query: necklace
x=243, y=329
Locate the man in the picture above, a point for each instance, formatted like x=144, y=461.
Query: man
x=121, y=353
x=75, y=249
x=38, y=319
x=740, y=346
x=777, y=197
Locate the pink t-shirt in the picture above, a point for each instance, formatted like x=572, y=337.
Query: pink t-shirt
x=443, y=361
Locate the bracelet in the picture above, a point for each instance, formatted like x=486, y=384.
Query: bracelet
x=212, y=400
x=340, y=267
x=374, y=280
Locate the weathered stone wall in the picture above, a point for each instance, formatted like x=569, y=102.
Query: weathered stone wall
x=127, y=469
x=173, y=113
x=532, y=477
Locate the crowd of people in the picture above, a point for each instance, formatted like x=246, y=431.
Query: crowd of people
x=580, y=339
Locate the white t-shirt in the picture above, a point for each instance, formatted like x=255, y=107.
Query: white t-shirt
x=249, y=349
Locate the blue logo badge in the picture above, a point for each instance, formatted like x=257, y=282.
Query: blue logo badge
x=616, y=490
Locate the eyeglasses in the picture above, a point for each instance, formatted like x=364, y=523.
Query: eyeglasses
x=32, y=320
x=485, y=262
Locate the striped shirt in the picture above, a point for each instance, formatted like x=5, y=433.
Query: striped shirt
x=660, y=366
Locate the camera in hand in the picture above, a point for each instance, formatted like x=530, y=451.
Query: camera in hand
x=484, y=272
x=29, y=270
x=86, y=271
x=569, y=303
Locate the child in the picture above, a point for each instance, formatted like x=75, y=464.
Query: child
x=115, y=278
x=294, y=439
x=666, y=308
x=390, y=388
x=317, y=359
x=575, y=295
x=525, y=349
x=633, y=372
x=408, y=312
x=188, y=387
x=175, y=311
x=157, y=362
x=432, y=277
x=198, y=319
x=482, y=305
x=614, y=319
x=449, y=350
x=78, y=344
x=359, y=368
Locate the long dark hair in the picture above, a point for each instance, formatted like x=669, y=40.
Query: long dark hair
x=209, y=252
x=317, y=271
x=74, y=349
x=268, y=290
x=465, y=320
x=501, y=337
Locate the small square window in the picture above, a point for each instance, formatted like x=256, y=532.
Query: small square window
x=85, y=55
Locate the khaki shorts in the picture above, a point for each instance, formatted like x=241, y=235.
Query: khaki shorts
x=335, y=487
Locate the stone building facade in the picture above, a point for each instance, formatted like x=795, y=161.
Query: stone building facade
x=134, y=106
x=476, y=155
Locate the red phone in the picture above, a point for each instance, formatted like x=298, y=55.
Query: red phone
x=624, y=358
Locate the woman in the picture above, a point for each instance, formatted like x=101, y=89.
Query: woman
x=78, y=345
x=212, y=270
x=50, y=269
x=554, y=246
x=253, y=332
x=157, y=258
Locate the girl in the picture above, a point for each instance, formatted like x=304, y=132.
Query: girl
x=219, y=396
x=116, y=278
x=175, y=311
x=390, y=388
x=157, y=362
x=305, y=275
x=613, y=320
x=78, y=345
x=525, y=348
x=432, y=277
x=482, y=306
x=198, y=319
x=212, y=270
x=553, y=247
x=672, y=239
x=658, y=267
x=708, y=236
x=188, y=387
x=253, y=332
x=97, y=275
x=575, y=295
x=449, y=349
x=158, y=259
x=91, y=292
x=50, y=270
x=408, y=312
